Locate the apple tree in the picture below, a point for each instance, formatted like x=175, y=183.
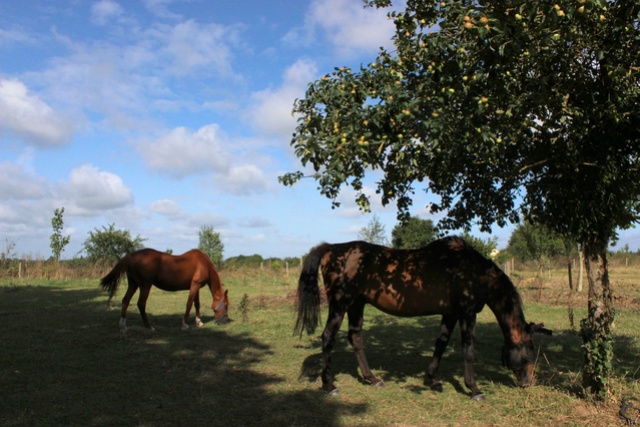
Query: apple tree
x=503, y=111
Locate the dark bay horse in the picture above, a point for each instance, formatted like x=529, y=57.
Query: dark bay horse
x=447, y=277
x=189, y=271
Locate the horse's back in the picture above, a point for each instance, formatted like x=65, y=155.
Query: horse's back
x=171, y=272
x=442, y=277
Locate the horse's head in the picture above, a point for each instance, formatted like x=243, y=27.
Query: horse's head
x=220, y=306
x=520, y=358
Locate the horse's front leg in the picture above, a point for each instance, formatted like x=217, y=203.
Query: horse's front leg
x=196, y=303
x=193, y=292
x=356, y=319
x=467, y=332
x=336, y=315
x=447, y=324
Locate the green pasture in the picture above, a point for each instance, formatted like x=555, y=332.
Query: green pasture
x=64, y=361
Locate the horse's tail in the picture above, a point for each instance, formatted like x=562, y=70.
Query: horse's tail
x=309, y=291
x=110, y=281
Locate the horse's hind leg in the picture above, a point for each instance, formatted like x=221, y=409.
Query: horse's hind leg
x=334, y=321
x=126, y=299
x=356, y=318
x=447, y=324
x=142, y=305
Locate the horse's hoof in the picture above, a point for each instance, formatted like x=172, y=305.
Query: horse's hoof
x=479, y=397
x=375, y=382
x=185, y=326
x=334, y=392
x=437, y=387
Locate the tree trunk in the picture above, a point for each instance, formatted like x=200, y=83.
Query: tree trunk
x=596, y=328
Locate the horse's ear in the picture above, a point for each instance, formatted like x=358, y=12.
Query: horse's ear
x=226, y=292
x=539, y=329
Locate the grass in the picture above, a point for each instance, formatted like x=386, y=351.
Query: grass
x=63, y=361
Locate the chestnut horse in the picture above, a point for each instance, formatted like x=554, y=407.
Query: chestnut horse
x=189, y=271
x=447, y=277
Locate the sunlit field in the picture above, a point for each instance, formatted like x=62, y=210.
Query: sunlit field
x=64, y=361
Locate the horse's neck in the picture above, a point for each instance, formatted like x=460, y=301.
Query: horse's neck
x=507, y=308
x=215, y=285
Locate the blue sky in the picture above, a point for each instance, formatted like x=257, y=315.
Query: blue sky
x=161, y=116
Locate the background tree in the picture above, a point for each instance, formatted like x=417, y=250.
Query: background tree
x=504, y=110
x=58, y=241
x=534, y=243
x=7, y=252
x=484, y=246
x=413, y=233
x=537, y=243
x=109, y=245
x=254, y=260
x=210, y=243
x=374, y=232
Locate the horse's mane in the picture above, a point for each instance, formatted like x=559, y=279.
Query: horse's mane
x=505, y=302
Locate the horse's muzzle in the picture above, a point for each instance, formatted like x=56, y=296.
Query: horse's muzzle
x=525, y=375
x=223, y=320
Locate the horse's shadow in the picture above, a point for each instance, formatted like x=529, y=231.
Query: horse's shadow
x=402, y=350
x=166, y=377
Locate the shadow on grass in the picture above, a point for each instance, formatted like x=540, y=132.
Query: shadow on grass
x=64, y=362
x=398, y=350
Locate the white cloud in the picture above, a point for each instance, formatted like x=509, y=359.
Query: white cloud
x=271, y=109
x=26, y=116
x=348, y=25
x=17, y=184
x=166, y=207
x=254, y=222
x=105, y=10
x=180, y=152
x=191, y=46
x=208, y=218
x=124, y=81
x=92, y=190
x=244, y=180
x=160, y=9
x=101, y=80
x=10, y=36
